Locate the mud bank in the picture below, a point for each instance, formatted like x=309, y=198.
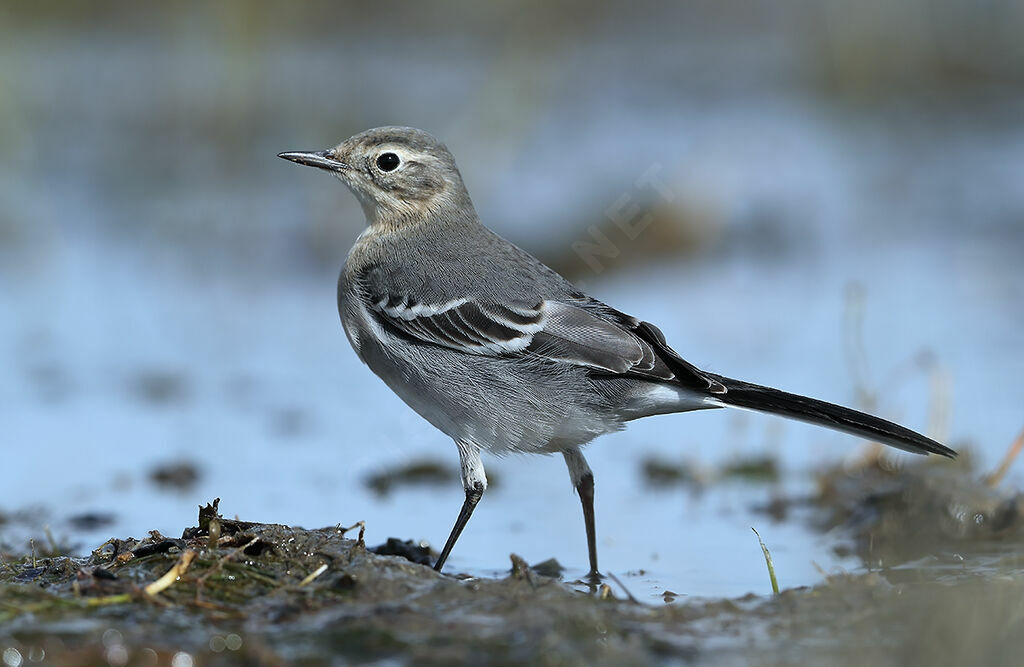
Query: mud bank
x=942, y=583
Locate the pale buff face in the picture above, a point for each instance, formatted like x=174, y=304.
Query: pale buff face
x=397, y=174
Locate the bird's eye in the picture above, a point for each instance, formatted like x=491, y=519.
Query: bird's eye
x=388, y=161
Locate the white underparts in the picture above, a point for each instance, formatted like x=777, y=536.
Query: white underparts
x=472, y=467
x=578, y=468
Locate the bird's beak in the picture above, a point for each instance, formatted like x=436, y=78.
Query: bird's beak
x=319, y=159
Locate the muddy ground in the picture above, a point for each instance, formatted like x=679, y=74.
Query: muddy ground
x=942, y=583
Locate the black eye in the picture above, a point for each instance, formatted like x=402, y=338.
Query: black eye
x=388, y=161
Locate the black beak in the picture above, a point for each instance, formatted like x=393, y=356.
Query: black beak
x=319, y=159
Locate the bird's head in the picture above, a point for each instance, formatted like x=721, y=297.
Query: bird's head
x=399, y=174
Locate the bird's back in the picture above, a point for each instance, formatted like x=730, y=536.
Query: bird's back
x=479, y=398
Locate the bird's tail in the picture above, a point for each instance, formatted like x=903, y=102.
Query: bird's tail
x=749, y=396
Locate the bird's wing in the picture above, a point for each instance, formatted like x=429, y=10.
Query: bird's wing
x=580, y=332
x=464, y=324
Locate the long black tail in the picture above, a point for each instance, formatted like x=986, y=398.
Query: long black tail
x=765, y=399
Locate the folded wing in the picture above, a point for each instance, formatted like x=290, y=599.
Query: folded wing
x=583, y=333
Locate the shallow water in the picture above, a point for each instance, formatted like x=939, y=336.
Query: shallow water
x=284, y=424
x=168, y=284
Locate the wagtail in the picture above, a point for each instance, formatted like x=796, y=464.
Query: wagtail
x=496, y=349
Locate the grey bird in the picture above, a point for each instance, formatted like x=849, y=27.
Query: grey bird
x=499, y=351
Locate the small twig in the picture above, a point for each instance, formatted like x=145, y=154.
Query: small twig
x=313, y=575
x=120, y=598
x=7, y=566
x=521, y=570
x=623, y=587
x=252, y=573
x=361, y=525
x=238, y=550
x=768, y=561
x=53, y=543
x=1011, y=455
x=172, y=575
x=233, y=553
x=222, y=561
x=34, y=607
x=213, y=531
x=152, y=589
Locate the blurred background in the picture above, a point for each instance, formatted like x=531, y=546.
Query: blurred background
x=821, y=196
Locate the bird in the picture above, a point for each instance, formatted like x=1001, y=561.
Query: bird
x=499, y=351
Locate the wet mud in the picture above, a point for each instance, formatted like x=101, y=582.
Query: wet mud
x=941, y=582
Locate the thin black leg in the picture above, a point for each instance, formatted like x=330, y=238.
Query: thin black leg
x=473, y=495
x=585, y=489
x=583, y=481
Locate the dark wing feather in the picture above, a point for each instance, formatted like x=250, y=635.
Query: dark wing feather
x=603, y=340
x=579, y=336
x=685, y=372
x=463, y=324
x=666, y=362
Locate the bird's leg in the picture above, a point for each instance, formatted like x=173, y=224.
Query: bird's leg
x=583, y=480
x=474, y=481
